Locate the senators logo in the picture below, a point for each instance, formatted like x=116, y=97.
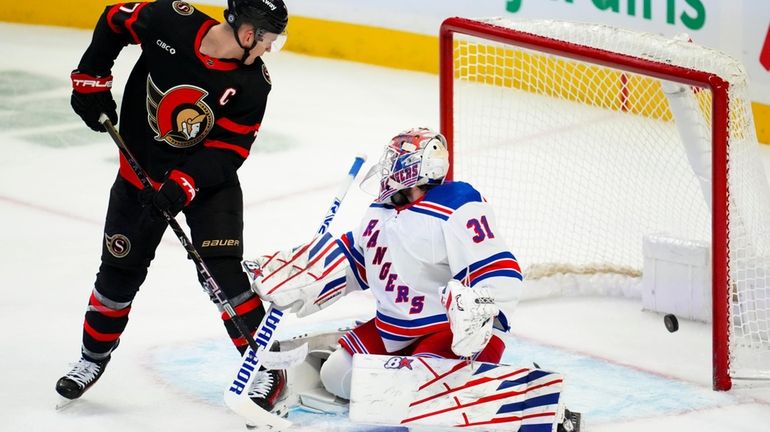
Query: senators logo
x=183, y=8
x=178, y=116
x=118, y=245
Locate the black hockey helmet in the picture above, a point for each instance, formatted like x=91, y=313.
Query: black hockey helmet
x=266, y=15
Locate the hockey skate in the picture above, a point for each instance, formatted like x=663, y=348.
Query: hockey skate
x=269, y=392
x=82, y=376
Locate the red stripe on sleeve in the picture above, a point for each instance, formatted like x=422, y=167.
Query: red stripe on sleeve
x=242, y=152
x=113, y=10
x=130, y=22
x=238, y=128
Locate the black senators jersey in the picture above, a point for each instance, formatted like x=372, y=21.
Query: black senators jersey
x=181, y=109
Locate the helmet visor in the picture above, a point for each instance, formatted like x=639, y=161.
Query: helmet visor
x=279, y=42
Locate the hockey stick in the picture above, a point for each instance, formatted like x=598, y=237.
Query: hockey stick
x=237, y=395
x=209, y=284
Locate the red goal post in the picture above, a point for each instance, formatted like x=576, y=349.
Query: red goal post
x=486, y=64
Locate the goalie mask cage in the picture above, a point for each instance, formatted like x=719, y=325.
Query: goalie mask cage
x=586, y=138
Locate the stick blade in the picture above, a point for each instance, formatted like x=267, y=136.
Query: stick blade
x=254, y=415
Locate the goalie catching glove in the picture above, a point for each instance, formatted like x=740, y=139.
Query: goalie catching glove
x=305, y=279
x=471, y=313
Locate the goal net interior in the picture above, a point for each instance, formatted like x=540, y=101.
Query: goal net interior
x=587, y=138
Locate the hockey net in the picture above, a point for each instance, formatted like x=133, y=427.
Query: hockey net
x=587, y=138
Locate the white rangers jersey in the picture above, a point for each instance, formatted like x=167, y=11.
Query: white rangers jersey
x=406, y=255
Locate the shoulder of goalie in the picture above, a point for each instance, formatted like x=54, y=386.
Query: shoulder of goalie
x=304, y=279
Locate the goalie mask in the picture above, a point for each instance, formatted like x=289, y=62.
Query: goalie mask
x=414, y=157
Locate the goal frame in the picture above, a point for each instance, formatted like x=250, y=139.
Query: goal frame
x=719, y=133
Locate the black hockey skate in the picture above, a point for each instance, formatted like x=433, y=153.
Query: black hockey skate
x=571, y=422
x=269, y=392
x=82, y=376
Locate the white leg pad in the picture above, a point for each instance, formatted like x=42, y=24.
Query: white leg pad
x=336, y=373
x=438, y=393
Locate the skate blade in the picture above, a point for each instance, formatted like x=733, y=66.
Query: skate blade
x=63, y=403
x=281, y=411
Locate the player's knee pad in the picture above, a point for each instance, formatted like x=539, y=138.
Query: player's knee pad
x=119, y=284
x=337, y=372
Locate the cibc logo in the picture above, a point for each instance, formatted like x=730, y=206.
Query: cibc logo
x=165, y=46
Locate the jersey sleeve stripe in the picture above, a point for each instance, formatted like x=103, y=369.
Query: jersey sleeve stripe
x=130, y=22
x=503, y=264
x=242, y=152
x=229, y=125
x=110, y=15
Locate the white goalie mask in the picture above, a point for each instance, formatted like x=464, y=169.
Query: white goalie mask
x=414, y=157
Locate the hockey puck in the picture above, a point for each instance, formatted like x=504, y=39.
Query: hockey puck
x=672, y=324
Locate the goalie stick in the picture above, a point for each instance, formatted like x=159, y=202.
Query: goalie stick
x=209, y=284
x=237, y=395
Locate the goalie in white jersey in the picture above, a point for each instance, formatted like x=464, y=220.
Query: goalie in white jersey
x=444, y=282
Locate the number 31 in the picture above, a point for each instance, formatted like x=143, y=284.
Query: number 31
x=480, y=229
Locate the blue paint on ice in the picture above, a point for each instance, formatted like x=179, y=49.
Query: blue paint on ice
x=603, y=391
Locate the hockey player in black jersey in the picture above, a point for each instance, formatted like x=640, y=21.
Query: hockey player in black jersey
x=191, y=109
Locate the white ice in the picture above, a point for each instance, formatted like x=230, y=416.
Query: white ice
x=623, y=369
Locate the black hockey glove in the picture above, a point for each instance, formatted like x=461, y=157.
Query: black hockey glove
x=174, y=194
x=91, y=96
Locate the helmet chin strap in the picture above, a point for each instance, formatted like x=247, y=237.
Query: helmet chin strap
x=246, y=50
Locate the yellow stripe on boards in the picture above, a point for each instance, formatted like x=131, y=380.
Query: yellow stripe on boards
x=372, y=45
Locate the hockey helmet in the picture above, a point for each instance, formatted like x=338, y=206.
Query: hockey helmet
x=414, y=157
x=265, y=15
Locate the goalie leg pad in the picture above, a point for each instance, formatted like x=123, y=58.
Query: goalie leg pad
x=442, y=393
x=304, y=385
x=336, y=373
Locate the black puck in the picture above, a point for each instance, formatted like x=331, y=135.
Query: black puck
x=672, y=324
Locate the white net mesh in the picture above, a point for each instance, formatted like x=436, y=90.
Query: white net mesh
x=581, y=161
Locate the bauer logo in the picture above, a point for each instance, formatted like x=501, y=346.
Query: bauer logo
x=118, y=245
x=220, y=243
